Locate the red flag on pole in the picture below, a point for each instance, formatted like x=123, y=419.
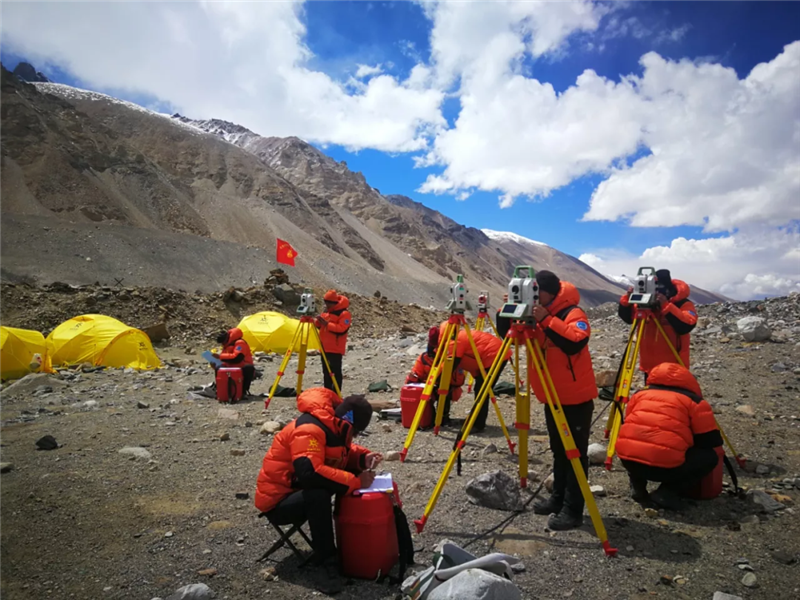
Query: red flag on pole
x=285, y=253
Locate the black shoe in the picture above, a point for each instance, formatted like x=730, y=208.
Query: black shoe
x=564, y=520
x=639, y=491
x=547, y=506
x=326, y=577
x=667, y=498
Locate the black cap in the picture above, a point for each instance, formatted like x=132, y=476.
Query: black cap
x=548, y=282
x=664, y=278
x=222, y=338
x=357, y=410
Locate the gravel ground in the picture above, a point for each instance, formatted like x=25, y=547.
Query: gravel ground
x=85, y=521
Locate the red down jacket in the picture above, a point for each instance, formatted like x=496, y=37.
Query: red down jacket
x=488, y=346
x=333, y=326
x=236, y=352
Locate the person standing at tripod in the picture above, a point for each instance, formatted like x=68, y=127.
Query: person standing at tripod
x=422, y=369
x=676, y=314
x=563, y=333
x=333, y=326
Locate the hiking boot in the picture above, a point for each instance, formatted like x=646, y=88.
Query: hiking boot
x=639, y=490
x=547, y=506
x=666, y=497
x=564, y=520
x=326, y=578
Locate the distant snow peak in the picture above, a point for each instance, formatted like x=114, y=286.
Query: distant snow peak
x=508, y=236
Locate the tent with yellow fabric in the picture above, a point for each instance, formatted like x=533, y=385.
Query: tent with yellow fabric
x=271, y=332
x=18, y=352
x=102, y=341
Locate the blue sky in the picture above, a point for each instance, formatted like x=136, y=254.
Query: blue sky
x=462, y=157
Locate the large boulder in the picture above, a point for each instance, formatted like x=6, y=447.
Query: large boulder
x=495, y=490
x=194, y=591
x=476, y=584
x=753, y=329
x=286, y=294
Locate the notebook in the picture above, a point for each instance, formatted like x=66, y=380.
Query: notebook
x=383, y=483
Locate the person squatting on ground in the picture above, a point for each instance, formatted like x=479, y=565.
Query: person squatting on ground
x=677, y=316
x=488, y=347
x=669, y=435
x=563, y=333
x=236, y=353
x=422, y=368
x=312, y=459
x=333, y=326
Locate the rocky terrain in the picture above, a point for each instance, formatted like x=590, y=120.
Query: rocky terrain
x=150, y=487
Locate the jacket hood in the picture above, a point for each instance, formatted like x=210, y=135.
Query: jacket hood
x=342, y=304
x=682, y=290
x=674, y=375
x=320, y=403
x=568, y=295
x=234, y=335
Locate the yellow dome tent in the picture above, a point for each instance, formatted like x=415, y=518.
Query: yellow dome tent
x=271, y=332
x=101, y=341
x=17, y=350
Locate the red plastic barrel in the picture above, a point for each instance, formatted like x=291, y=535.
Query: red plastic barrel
x=410, y=395
x=229, y=384
x=710, y=486
x=366, y=535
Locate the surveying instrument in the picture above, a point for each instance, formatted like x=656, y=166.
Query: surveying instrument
x=306, y=330
x=523, y=295
x=644, y=303
x=480, y=325
x=442, y=367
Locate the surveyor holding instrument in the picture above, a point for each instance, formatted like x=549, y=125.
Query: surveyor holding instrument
x=677, y=316
x=563, y=333
x=669, y=435
x=333, y=326
x=236, y=353
x=312, y=459
x=488, y=347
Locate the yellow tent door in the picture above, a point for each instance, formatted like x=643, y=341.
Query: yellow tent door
x=17, y=349
x=271, y=332
x=102, y=341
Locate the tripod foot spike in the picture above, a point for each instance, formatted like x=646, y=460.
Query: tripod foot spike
x=266, y=403
x=511, y=446
x=605, y=434
x=608, y=463
x=741, y=461
x=403, y=454
x=435, y=430
x=523, y=482
x=420, y=523
x=610, y=552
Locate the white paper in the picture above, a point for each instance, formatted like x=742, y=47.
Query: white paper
x=383, y=483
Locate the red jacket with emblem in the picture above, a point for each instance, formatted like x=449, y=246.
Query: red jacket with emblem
x=678, y=318
x=422, y=368
x=333, y=327
x=487, y=344
x=564, y=338
x=236, y=352
x=666, y=419
x=313, y=451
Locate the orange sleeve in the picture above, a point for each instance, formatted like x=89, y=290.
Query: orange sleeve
x=339, y=324
x=307, y=448
x=702, y=418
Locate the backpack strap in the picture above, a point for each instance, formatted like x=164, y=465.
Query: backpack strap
x=562, y=314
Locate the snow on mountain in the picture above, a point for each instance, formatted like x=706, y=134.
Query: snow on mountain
x=508, y=236
x=622, y=279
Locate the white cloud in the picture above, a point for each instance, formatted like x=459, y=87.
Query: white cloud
x=244, y=62
x=364, y=71
x=750, y=264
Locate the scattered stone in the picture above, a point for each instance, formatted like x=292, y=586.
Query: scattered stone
x=783, y=499
x=268, y=574
x=753, y=329
x=169, y=534
x=31, y=382
x=476, y=584
x=136, y=452
x=750, y=580
x=237, y=452
x=141, y=404
x=225, y=437
x=778, y=367
x=765, y=501
x=47, y=442
x=242, y=495
x=784, y=557
x=194, y=591
x=548, y=483
x=762, y=470
x=270, y=427
x=6, y=467
x=598, y=490
x=227, y=413
x=207, y=572
x=392, y=456
x=651, y=513
x=496, y=490
x=90, y=404
x=518, y=567
x=490, y=449
x=724, y=596
x=597, y=454
x=746, y=409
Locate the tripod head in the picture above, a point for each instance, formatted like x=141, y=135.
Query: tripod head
x=458, y=302
x=523, y=295
x=483, y=302
x=644, y=288
x=306, y=307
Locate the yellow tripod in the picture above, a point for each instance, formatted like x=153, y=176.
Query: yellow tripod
x=622, y=389
x=480, y=325
x=521, y=336
x=305, y=330
x=442, y=371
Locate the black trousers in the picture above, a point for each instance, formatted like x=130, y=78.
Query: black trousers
x=565, y=484
x=248, y=374
x=480, y=422
x=699, y=463
x=335, y=361
x=314, y=506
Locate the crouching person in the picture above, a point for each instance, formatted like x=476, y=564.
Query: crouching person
x=669, y=435
x=311, y=460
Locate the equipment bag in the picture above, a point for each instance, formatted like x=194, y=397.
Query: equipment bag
x=404, y=541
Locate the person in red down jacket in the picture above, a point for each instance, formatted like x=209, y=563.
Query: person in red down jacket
x=333, y=326
x=313, y=459
x=669, y=435
x=676, y=314
x=563, y=333
x=236, y=353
